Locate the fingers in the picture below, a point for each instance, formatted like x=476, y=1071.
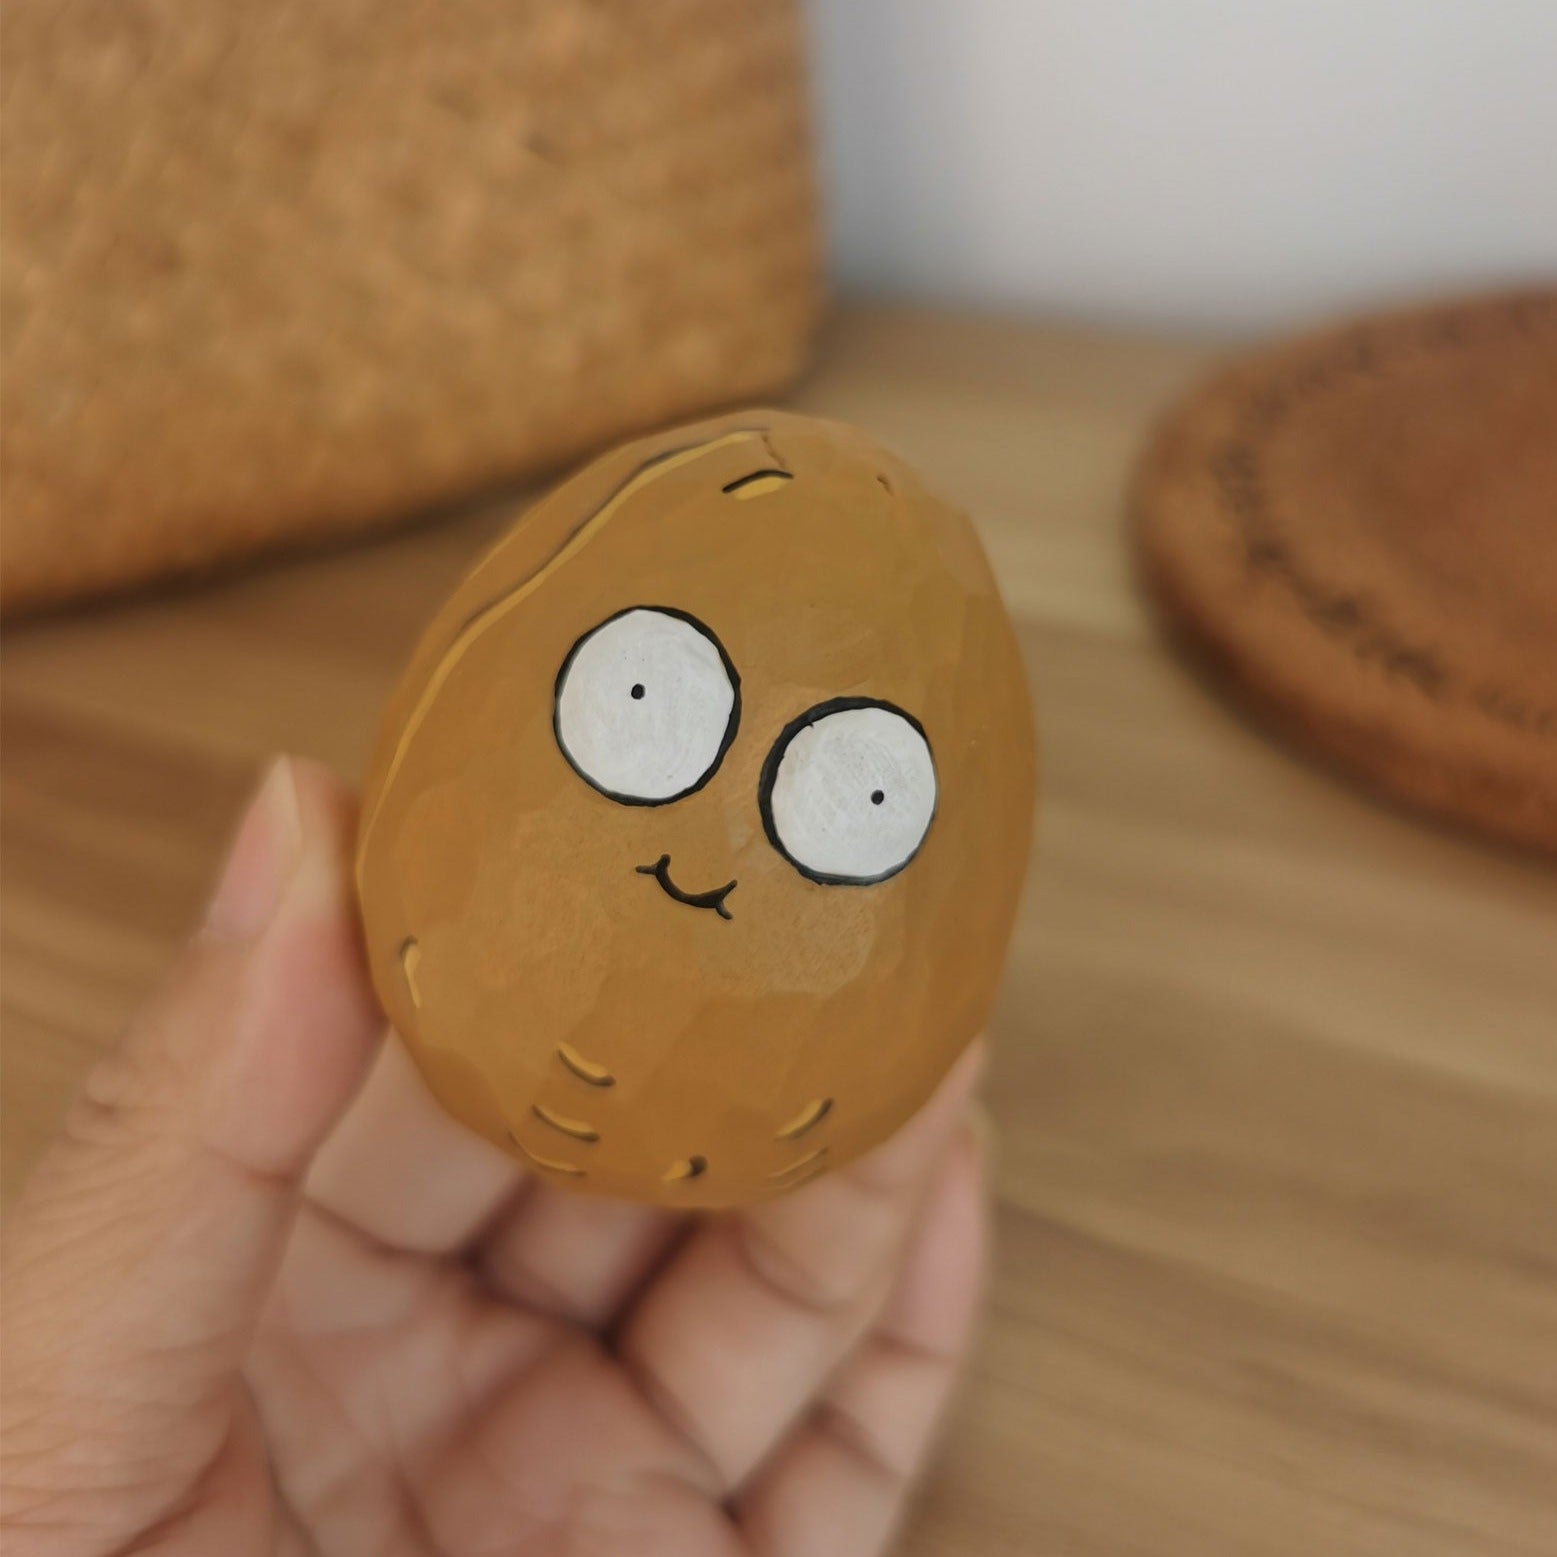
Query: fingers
x=140, y=1253
x=404, y=1173
x=748, y=1320
x=838, y=1488
x=576, y=1257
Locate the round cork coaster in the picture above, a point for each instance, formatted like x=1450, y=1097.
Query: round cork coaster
x=1360, y=528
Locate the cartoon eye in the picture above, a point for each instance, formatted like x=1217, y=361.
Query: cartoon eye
x=647, y=705
x=848, y=791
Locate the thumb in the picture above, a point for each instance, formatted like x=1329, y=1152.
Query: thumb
x=140, y=1253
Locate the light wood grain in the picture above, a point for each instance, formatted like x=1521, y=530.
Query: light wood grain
x=1276, y=1085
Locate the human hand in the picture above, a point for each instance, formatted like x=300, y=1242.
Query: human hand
x=263, y=1297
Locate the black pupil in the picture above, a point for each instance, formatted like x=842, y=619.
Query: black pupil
x=637, y=689
x=876, y=797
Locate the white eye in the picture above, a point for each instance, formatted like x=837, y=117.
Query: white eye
x=647, y=704
x=848, y=791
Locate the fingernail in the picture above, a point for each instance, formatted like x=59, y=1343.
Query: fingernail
x=262, y=859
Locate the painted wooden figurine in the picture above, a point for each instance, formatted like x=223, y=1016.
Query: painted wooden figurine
x=695, y=831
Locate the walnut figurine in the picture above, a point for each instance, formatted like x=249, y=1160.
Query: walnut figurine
x=694, y=835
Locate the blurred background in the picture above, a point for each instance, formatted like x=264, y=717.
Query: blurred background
x=1203, y=164
x=300, y=300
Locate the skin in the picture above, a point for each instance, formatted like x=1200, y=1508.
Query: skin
x=263, y=1296
x=689, y=996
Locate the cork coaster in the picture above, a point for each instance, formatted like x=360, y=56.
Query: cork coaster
x=1360, y=529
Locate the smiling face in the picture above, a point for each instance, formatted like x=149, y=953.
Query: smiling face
x=692, y=844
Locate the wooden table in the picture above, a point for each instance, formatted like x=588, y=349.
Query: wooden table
x=1276, y=1086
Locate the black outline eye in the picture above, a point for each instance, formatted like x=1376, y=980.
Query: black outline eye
x=732, y=725
x=775, y=758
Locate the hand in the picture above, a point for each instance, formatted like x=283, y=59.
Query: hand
x=263, y=1297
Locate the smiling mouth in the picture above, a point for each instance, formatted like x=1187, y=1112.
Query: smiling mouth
x=660, y=870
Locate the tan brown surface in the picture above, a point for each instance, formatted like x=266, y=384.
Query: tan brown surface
x=1276, y=1073
x=519, y=889
x=1360, y=528
x=277, y=269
